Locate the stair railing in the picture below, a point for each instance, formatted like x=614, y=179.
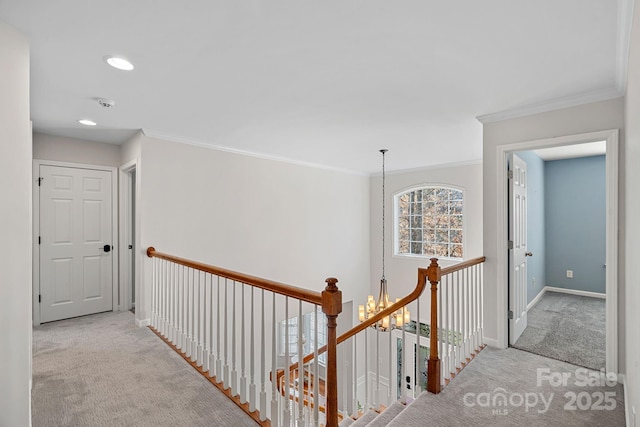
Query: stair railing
x=204, y=313
x=454, y=333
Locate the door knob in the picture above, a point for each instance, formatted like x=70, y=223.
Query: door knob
x=528, y=254
x=106, y=248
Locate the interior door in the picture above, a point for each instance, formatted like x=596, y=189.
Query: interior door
x=518, y=248
x=76, y=257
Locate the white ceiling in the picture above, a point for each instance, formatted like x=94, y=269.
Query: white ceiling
x=587, y=149
x=327, y=82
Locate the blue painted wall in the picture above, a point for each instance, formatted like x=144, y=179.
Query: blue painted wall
x=575, y=196
x=535, y=223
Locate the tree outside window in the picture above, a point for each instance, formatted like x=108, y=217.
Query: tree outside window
x=429, y=222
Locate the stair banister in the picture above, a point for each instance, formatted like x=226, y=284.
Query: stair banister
x=331, y=306
x=433, y=367
x=181, y=302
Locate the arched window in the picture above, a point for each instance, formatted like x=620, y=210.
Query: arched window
x=429, y=222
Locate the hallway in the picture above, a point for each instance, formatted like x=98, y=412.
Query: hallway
x=102, y=370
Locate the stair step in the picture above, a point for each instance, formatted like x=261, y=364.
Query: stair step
x=388, y=415
x=365, y=419
x=346, y=422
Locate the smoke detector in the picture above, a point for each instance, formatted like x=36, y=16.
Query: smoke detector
x=107, y=103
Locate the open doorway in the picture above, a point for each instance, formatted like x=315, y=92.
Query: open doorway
x=127, y=290
x=564, y=254
x=611, y=245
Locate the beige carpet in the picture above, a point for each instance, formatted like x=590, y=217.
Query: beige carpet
x=516, y=388
x=102, y=370
x=566, y=327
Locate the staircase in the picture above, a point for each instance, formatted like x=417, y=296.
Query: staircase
x=372, y=418
x=234, y=329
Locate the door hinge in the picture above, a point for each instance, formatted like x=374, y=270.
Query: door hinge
x=39, y=298
x=39, y=240
x=509, y=174
x=511, y=314
x=510, y=244
x=40, y=179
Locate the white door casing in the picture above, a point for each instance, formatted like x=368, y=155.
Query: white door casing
x=517, y=255
x=75, y=224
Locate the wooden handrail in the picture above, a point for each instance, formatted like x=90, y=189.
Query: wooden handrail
x=414, y=295
x=432, y=274
x=268, y=285
x=462, y=265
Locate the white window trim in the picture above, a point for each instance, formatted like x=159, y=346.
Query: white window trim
x=396, y=233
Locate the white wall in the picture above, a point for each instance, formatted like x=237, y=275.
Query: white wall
x=281, y=221
x=569, y=121
x=402, y=272
x=62, y=149
x=631, y=159
x=16, y=230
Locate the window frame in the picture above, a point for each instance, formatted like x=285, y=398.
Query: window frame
x=396, y=220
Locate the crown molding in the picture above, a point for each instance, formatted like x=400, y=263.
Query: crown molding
x=203, y=144
x=623, y=40
x=556, y=104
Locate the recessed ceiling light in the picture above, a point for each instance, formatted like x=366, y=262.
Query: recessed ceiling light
x=87, y=122
x=119, y=63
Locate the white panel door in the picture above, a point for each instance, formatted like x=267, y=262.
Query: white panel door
x=517, y=255
x=76, y=260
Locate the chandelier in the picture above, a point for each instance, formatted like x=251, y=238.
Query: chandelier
x=398, y=318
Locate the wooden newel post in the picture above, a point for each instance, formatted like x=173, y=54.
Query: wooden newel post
x=331, y=307
x=433, y=368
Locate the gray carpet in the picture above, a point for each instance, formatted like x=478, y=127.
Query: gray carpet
x=514, y=374
x=102, y=370
x=567, y=327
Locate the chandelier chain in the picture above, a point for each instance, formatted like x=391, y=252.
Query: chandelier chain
x=383, y=211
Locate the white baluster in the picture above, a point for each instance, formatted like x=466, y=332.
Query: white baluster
x=481, y=306
x=458, y=320
x=225, y=341
x=474, y=286
x=354, y=379
x=263, y=372
x=403, y=357
x=417, y=378
x=252, y=372
x=366, y=370
x=211, y=358
x=274, y=373
x=174, y=290
x=376, y=362
x=164, y=297
x=219, y=376
x=192, y=315
x=196, y=319
x=441, y=332
x=315, y=418
x=154, y=280
x=300, y=367
x=467, y=291
x=286, y=415
x=234, y=359
x=178, y=326
x=390, y=375
x=243, y=377
x=205, y=322
x=185, y=310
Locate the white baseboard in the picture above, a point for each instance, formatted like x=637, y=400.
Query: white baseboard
x=142, y=323
x=564, y=291
x=537, y=298
x=491, y=342
x=627, y=412
x=575, y=292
